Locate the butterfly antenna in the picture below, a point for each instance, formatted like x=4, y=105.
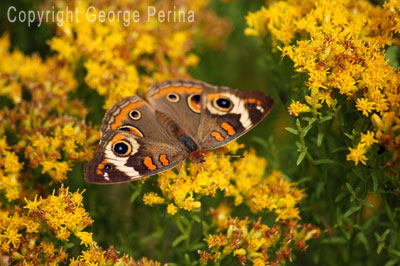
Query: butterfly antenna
x=177, y=177
x=226, y=155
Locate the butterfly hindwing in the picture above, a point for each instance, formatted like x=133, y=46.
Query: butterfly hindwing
x=227, y=114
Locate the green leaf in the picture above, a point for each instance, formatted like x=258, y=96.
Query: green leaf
x=375, y=182
x=366, y=203
x=349, y=188
x=380, y=247
x=357, y=171
x=326, y=118
x=292, y=130
x=351, y=211
x=187, y=259
x=385, y=234
x=392, y=54
x=68, y=245
x=339, y=197
x=325, y=161
x=363, y=239
x=392, y=262
x=178, y=240
x=148, y=238
x=197, y=219
x=301, y=157
x=197, y=246
x=305, y=130
x=334, y=240
x=320, y=137
x=320, y=188
x=346, y=234
x=135, y=194
x=340, y=149
x=261, y=141
x=394, y=252
x=298, y=123
x=304, y=179
x=349, y=136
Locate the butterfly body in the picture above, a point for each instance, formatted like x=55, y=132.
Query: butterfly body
x=179, y=120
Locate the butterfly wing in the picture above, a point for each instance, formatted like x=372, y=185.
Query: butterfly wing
x=134, y=145
x=123, y=157
x=180, y=100
x=228, y=113
x=213, y=116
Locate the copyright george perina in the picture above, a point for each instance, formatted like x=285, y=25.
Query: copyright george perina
x=92, y=14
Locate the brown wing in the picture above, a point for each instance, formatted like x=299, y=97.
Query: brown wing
x=199, y=108
x=180, y=100
x=134, y=145
x=122, y=157
x=227, y=114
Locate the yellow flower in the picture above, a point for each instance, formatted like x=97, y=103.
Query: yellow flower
x=220, y=216
x=357, y=154
x=85, y=237
x=259, y=262
x=216, y=240
x=48, y=248
x=365, y=106
x=368, y=139
x=12, y=236
x=172, y=209
x=152, y=198
x=240, y=251
x=32, y=226
x=296, y=108
x=32, y=205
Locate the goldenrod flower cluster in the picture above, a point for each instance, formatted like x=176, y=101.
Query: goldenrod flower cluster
x=252, y=241
x=122, y=60
x=340, y=45
x=243, y=180
x=46, y=132
x=59, y=215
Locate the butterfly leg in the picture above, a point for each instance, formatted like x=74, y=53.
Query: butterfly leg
x=177, y=177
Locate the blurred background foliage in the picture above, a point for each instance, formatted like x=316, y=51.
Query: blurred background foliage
x=358, y=215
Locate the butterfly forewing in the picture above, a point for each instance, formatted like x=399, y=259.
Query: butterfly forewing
x=134, y=145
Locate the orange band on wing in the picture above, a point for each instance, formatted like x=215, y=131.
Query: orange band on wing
x=252, y=100
x=135, y=131
x=148, y=162
x=123, y=115
x=100, y=167
x=212, y=96
x=164, y=160
x=132, y=129
x=179, y=90
x=217, y=136
x=117, y=138
x=195, y=106
x=228, y=128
